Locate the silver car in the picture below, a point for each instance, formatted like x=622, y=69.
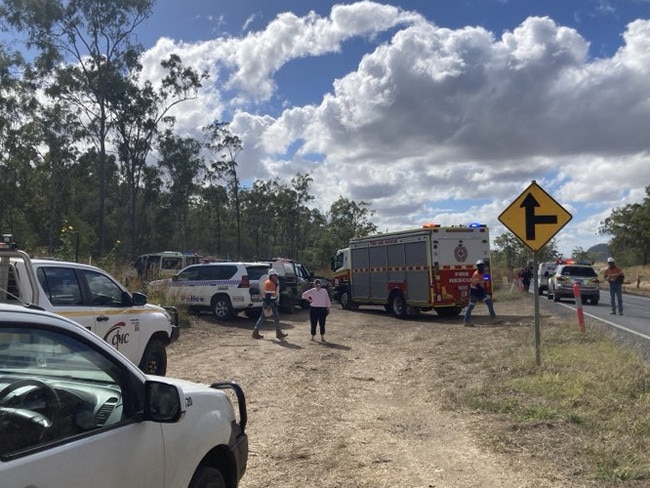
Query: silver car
x=560, y=284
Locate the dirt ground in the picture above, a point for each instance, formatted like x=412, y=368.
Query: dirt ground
x=365, y=408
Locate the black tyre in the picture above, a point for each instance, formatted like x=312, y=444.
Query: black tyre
x=556, y=297
x=584, y=300
x=448, y=311
x=222, y=308
x=207, y=477
x=253, y=313
x=398, y=305
x=594, y=301
x=346, y=301
x=549, y=295
x=154, y=359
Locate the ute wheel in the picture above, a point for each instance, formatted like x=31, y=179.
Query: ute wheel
x=207, y=477
x=154, y=359
x=252, y=313
x=594, y=301
x=398, y=305
x=221, y=307
x=556, y=297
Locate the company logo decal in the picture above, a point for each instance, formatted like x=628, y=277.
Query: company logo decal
x=117, y=335
x=460, y=253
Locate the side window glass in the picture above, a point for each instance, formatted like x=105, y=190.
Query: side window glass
x=60, y=285
x=103, y=290
x=189, y=274
x=54, y=387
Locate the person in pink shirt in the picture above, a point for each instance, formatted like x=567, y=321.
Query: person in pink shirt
x=319, y=308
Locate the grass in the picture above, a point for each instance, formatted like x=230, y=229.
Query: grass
x=587, y=408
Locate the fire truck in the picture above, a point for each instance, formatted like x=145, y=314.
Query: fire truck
x=412, y=271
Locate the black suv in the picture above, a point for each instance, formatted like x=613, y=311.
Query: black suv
x=288, y=277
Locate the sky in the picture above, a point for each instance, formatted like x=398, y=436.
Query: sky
x=431, y=111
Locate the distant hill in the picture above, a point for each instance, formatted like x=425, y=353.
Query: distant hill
x=600, y=252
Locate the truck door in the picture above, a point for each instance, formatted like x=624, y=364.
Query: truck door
x=95, y=301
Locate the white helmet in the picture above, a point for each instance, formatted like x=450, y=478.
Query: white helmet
x=272, y=272
x=480, y=262
x=610, y=260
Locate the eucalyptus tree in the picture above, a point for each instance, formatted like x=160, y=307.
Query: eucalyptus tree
x=141, y=111
x=83, y=47
x=347, y=219
x=224, y=147
x=629, y=228
x=181, y=162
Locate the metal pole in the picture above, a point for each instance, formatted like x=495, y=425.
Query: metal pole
x=538, y=353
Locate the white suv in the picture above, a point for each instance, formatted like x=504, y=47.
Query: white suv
x=223, y=288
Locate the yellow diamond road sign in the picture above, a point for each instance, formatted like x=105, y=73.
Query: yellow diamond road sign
x=535, y=217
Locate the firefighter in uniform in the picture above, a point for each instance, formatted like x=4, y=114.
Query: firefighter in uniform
x=477, y=292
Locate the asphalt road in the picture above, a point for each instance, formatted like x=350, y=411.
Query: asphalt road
x=633, y=326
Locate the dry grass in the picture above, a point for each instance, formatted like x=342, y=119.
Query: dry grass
x=429, y=403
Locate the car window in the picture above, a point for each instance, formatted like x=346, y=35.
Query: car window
x=60, y=285
x=584, y=271
x=189, y=274
x=255, y=272
x=103, y=291
x=54, y=387
x=217, y=272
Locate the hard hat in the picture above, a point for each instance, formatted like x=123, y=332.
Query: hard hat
x=480, y=262
x=272, y=272
x=610, y=260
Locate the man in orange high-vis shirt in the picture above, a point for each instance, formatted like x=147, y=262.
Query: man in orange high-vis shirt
x=477, y=292
x=615, y=277
x=271, y=294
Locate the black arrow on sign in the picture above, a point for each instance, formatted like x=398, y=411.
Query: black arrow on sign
x=532, y=220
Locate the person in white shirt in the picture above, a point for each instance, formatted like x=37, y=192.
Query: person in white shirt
x=319, y=308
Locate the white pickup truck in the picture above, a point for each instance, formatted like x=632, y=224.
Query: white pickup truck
x=76, y=412
x=93, y=298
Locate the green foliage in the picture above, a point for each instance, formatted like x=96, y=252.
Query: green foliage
x=629, y=227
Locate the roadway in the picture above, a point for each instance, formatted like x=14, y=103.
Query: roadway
x=633, y=326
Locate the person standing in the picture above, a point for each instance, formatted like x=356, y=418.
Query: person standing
x=477, y=292
x=271, y=293
x=615, y=277
x=319, y=308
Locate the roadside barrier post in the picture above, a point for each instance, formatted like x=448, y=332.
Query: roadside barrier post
x=581, y=316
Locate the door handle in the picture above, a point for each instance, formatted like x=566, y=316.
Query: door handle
x=102, y=318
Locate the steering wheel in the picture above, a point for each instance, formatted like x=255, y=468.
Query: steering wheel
x=52, y=401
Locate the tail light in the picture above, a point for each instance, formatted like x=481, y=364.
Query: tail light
x=245, y=282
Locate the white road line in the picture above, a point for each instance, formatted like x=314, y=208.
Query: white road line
x=607, y=322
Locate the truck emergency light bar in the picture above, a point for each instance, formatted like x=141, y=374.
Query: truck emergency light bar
x=473, y=225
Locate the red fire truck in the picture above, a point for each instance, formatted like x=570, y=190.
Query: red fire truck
x=412, y=271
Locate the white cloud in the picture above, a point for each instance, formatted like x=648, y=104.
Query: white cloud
x=433, y=116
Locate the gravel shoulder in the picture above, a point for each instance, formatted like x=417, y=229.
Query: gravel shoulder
x=365, y=408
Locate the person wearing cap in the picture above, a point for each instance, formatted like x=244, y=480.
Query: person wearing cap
x=615, y=277
x=271, y=294
x=319, y=308
x=477, y=292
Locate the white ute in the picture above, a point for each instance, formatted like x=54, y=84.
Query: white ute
x=76, y=412
x=92, y=297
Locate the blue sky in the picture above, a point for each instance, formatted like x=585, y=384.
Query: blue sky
x=430, y=110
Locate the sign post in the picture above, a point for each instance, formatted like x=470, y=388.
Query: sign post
x=535, y=217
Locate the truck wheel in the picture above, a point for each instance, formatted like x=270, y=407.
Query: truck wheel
x=556, y=297
x=252, y=313
x=398, y=305
x=287, y=303
x=594, y=301
x=221, y=307
x=154, y=359
x=207, y=477
x=346, y=300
